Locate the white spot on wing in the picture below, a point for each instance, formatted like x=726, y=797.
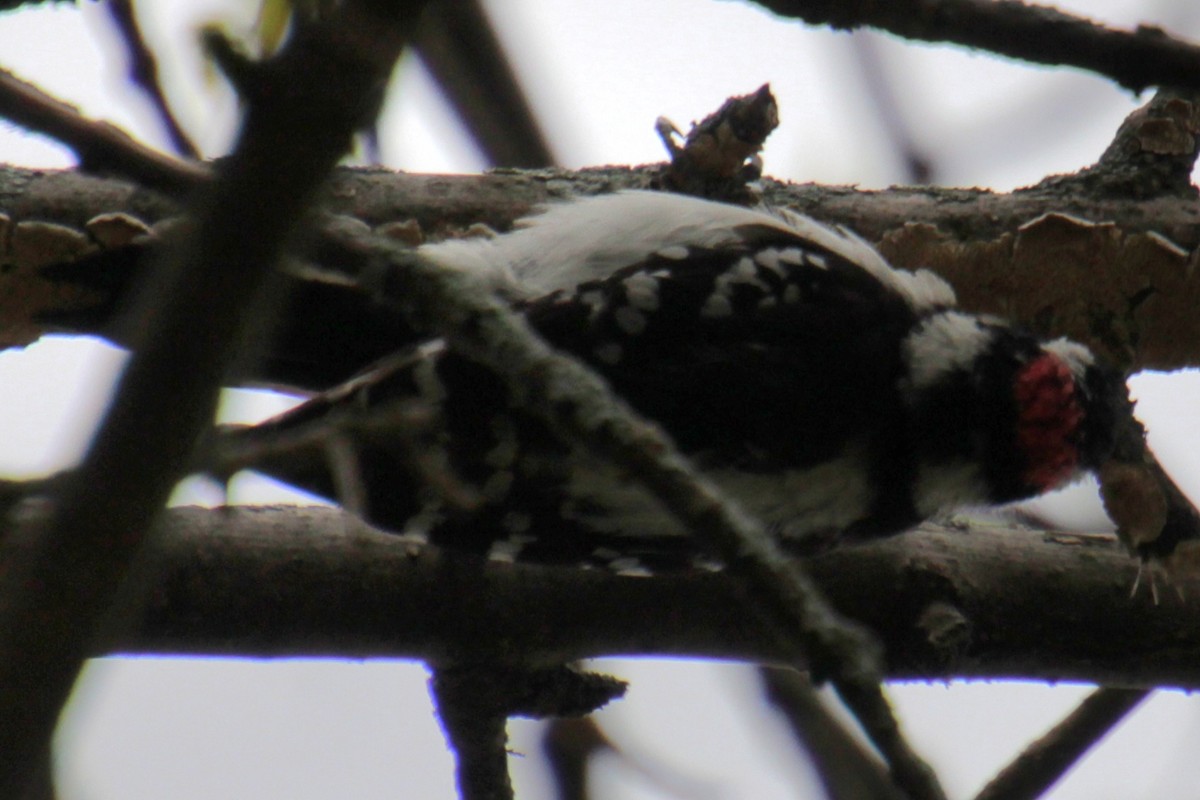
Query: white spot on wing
x=630, y=320
x=642, y=291
x=673, y=252
x=743, y=272
x=791, y=255
x=768, y=259
x=594, y=300
x=717, y=305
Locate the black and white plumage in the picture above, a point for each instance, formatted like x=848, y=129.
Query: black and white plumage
x=828, y=393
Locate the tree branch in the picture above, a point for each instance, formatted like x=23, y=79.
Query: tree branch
x=65, y=567
x=99, y=146
x=948, y=602
x=1045, y=761
x=1110, y=271
x=1147, y=56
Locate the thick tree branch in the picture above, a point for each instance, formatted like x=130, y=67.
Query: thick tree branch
x=1145, y=57
x=1121, y=281
x=966, y=601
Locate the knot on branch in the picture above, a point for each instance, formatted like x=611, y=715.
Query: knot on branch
x=1152, y=155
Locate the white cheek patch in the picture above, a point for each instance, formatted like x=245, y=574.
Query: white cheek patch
x=1077, y=357
x=944, y=343
x=641, y=290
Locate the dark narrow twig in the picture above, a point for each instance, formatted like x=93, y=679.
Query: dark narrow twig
x=881, y=90
x=99, y=146
x=1045, y=761
x=64, y=568
x=458, y=44
x=1043, y=35
x=569, y=745
x=578, y=403
x=143, y=70
x=846, y=769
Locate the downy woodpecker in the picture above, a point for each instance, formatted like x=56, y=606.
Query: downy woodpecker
x=831, y=395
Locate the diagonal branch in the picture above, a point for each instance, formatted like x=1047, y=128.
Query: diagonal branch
x=143, y=71
x=99, y=146
x=1045, y=761
x=66, y=566
x=1147, y=56
x=846, y=769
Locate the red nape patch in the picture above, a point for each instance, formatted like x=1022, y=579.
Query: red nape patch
x=1048, y=418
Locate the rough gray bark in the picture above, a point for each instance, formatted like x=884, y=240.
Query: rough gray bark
x=966, y=601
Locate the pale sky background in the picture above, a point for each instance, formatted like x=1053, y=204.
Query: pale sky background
x=147, y=729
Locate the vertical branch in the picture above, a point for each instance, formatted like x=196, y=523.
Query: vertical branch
x=476, y=731
x=65, y=567
x=474, y=703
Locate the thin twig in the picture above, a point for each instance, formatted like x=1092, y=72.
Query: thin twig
x=143, y=70
x=406, y=425
x=99, y=146
x=846, y=769
x=1045, y=761
x=1147, y=56
x=919, y=168
x=65, y=568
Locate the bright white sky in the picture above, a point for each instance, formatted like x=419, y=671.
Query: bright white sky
x=600, y=73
